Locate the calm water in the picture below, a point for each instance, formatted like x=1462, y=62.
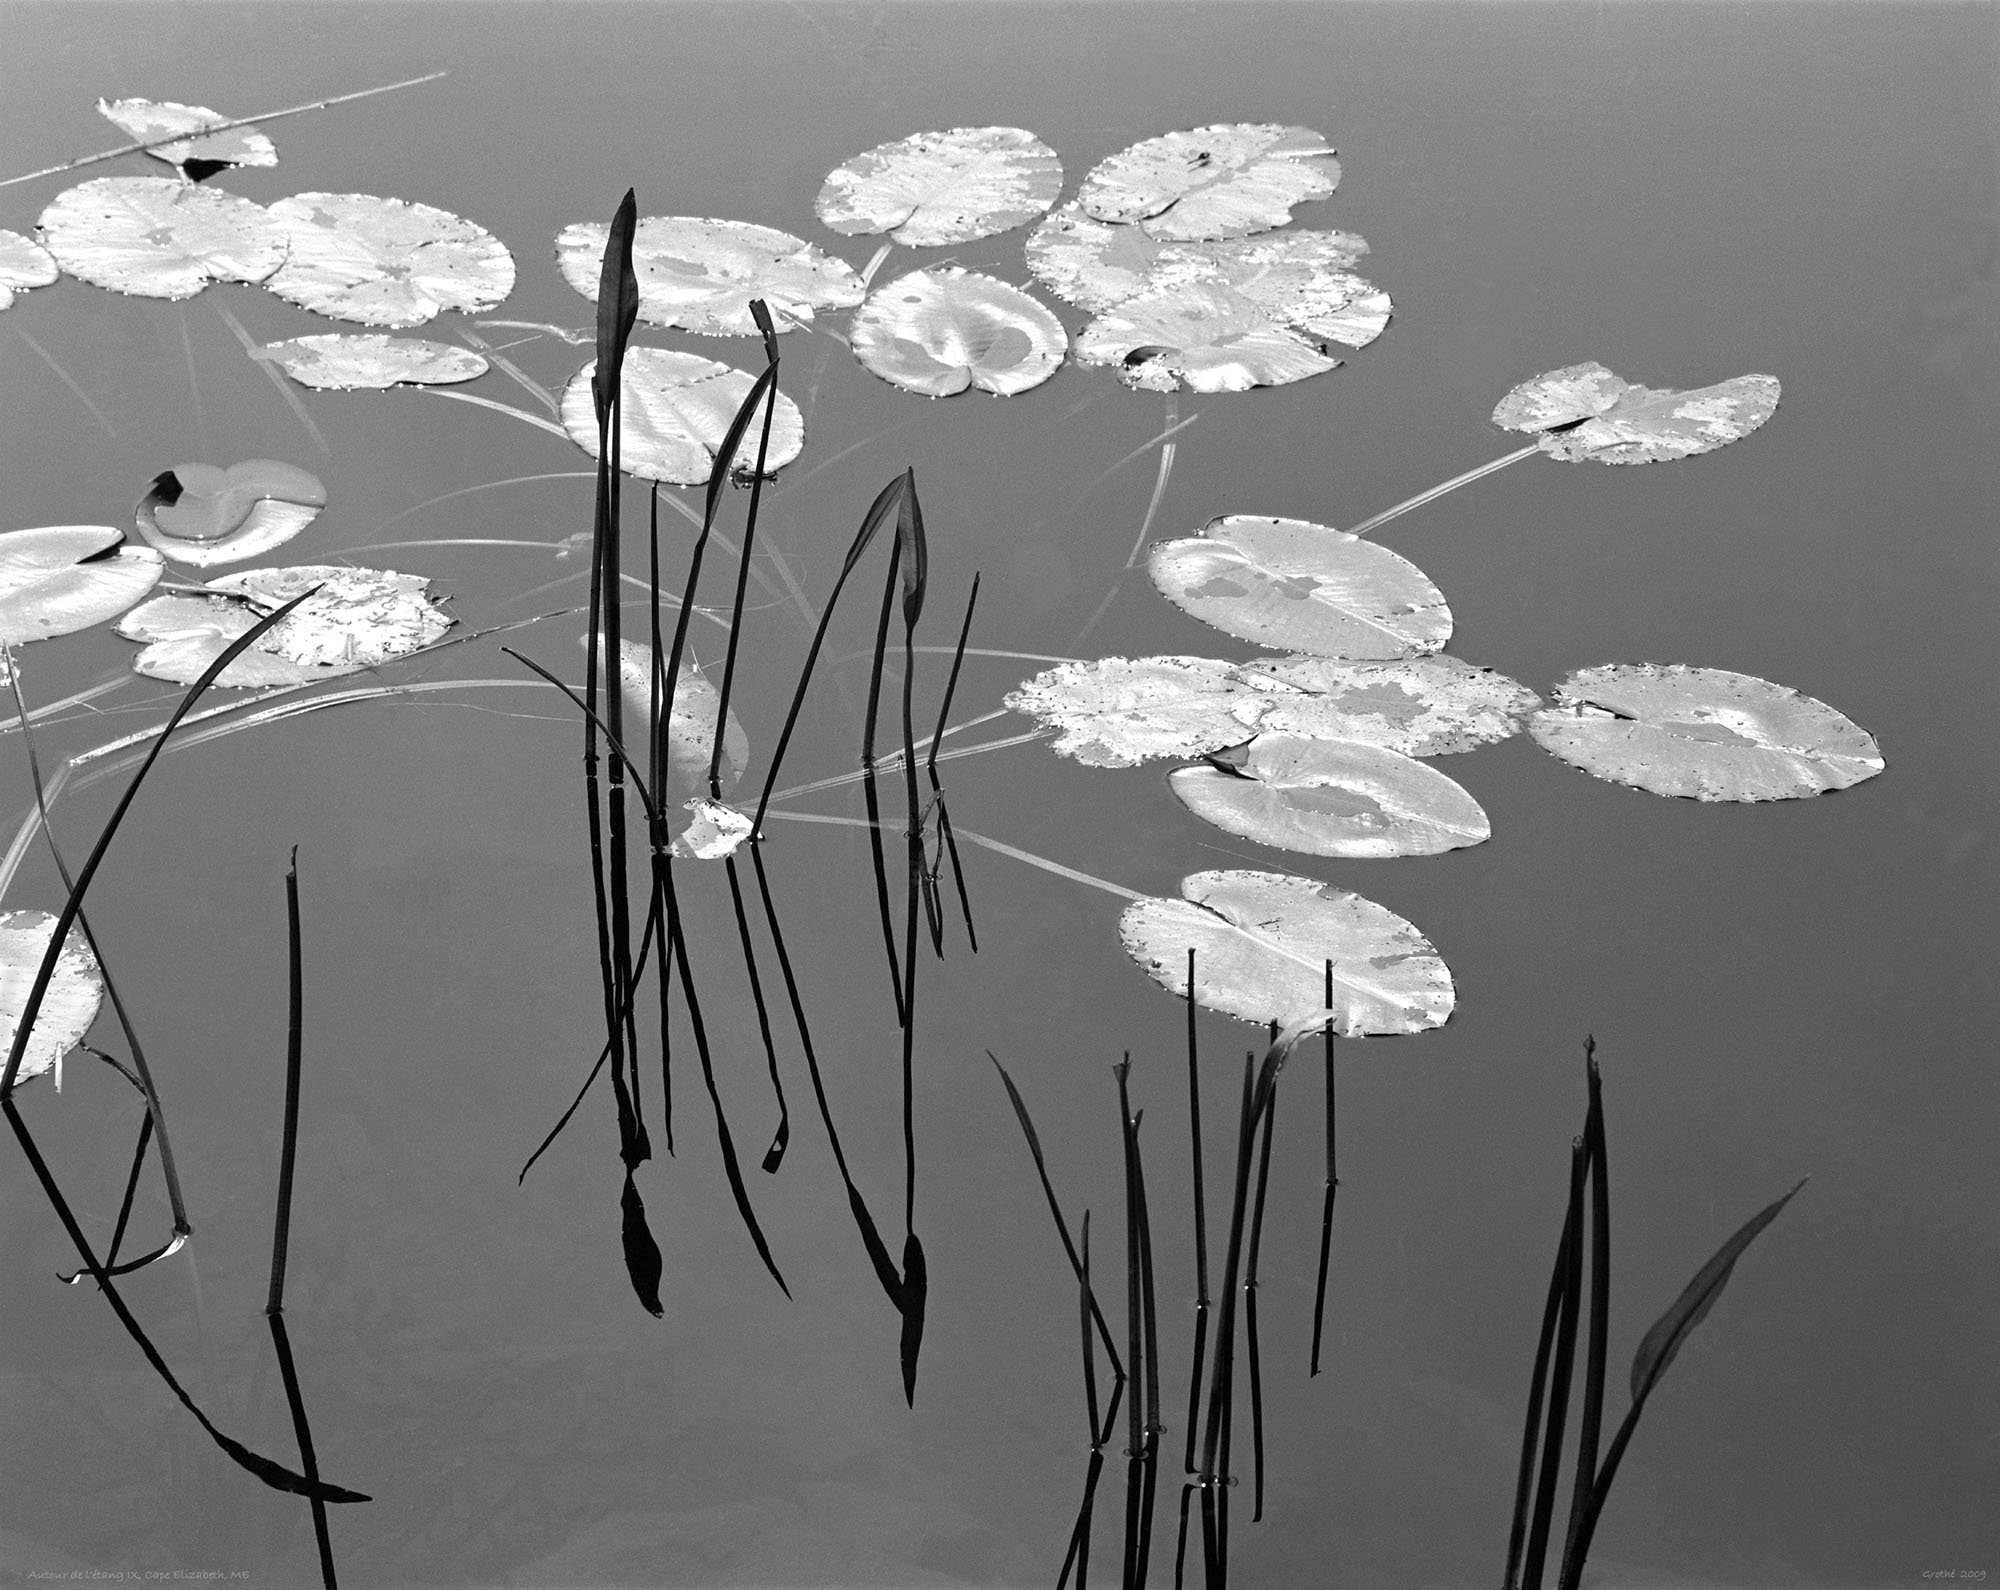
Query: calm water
x=1684, y=194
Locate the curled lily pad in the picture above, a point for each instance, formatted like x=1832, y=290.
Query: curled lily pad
x=1704, y=733
x=158, y=237
x=701, y=274
x=386, y=262
x=24, y=263
x=1303, y=587
x=71, y=1002
x=343, y=361
x=1614, y=422
x=1225, y=180
x=1331, y=798
x=675, y=412
x=1420, y=706
x=146, y=121
x=1262, y=941
x=1121, y=711
x=199, y=514
x=940, y=331
x=934, y=188
x=357, y=619
x=57, y=579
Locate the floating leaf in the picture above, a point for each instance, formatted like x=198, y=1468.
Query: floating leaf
x=1120, y=711
x=934, y=188
x=24, y=263
x=357, y=619
x=700, y=275
x=342, y=361
x=690, y=726
x=386, y=262
x=1303, y=587
x=1331, y=798
x=1626, y=424
x=941, y=331
x=199, y=514
x=74, y=993
x=1262, y=941
x=159, y=237
x=1704, y=733
x=1206, y=336
x=58, y=579
x=1219, y=181
x=1421, y=706
x=714, y=830
x=675, y=412
x=146, y=121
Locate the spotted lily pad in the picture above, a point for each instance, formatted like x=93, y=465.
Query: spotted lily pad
x=1420, y=706
x=1262, y=941
x=69, y=1005
x=343, y=361
x=147, y=121
x=387, y=262
x=676, y=409
x=159, y=237
x=714, y=830
x=935, y=188
x=940, y=331
x=1303, y=587
x=1331, y=798
x=1121, y=711
x=199, y=514
x=57, y=579
x=701, y=274
x=1614, y=422
x=24, y=263
x=1225, y=180
x=1704, y=733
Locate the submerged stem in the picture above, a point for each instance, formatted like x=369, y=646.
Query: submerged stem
x=1451, y=485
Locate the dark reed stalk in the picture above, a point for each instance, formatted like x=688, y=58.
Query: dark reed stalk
x=1569, y=1265
x=1137, y=1414
x=1078, y=1553
x=1254, y=1362
x=1201, y=1298
x=131, y=1193
x=1150, y=1346
x=1517, y=1538
x=1214, y=1473
x=1597, y=1341
x=1332, y=1186
x=950, y=842
x=871, y=796
x=281, y=1234
x=128, y=1202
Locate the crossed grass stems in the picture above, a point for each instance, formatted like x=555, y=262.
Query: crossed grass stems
x=930, y=841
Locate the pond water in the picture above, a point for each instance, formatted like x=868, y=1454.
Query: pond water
x=1782, y=990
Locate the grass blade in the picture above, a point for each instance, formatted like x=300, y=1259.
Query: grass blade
x=916, y=1290
x=1597, y=1340
x=642, y=1254
x=1569, y=1265
x=1424, y=497
x=1332, y=1186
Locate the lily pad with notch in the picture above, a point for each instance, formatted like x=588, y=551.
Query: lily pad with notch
x=201, y=515
x=936, y=188
x=1703, y=733
x=1262, y=941
x=675, y=412
x=387, y=262
x=1223, y=180
x=1583, y=411
x=159, y=237
x=196, y=149
x=57, y=579
x=943, y=330
x=344, y=361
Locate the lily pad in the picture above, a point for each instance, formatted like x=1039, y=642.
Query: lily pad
x=1303, y=587
x=146, y=121
x=387, y=262
x=24, y=263
x=159, y=237
x=690, y=726
x=940, y=331
x=199, y=514
x=1121, y=711
x=1262, y=941
x=934, y=188
x=58, y=579
x=714, y=830
x=71, y=1002
x=700, y=274
x=1205, y=336
x=1614, y=422
x=1331, y=798
x=358, y=619
x=676, y=409
x=342, y=361
x=1225, y=180
x=1420, y=706
x=1703, y=733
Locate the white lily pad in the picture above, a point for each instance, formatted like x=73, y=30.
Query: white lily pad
x=934, y=188
x=1300, y=586
x=1205, y=336
x=690, y=725
x=57, y=579
x=342, y=361
x=1262, y=941
x=24, y=264
x=1121, y=711
x=1420, y=706
x=1331, y=798
x=675, y=410
x=1225, y=180
x=940, y=331
x=1704, y=733
x=202, y=515
x=69, y=1005
x=1625, y=424
x=387, y=262
x=714, y=830
x=701, y=274
x=146, y=121
x=159, y=237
